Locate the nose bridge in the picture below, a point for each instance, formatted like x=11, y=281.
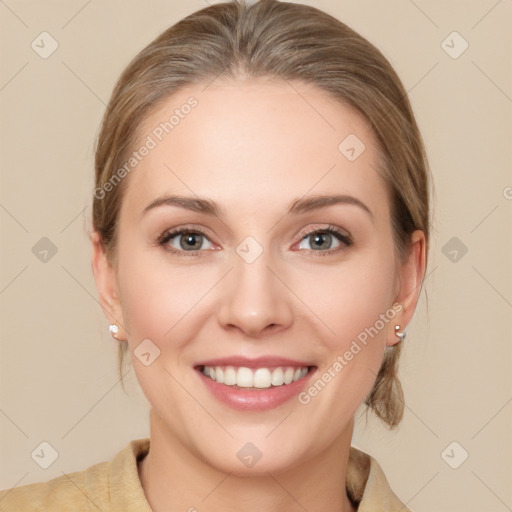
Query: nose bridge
x=255, y=297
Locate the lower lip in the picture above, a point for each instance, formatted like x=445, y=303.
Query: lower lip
x=255, y=400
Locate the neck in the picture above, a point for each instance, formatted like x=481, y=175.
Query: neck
x=175, y=479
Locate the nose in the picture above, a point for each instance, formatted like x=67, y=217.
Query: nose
x=255, y=299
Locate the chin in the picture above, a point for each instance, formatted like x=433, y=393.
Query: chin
x=257, y=467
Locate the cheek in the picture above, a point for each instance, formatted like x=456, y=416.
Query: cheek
x=351, y=298
x=359, y=312
x=155, y=296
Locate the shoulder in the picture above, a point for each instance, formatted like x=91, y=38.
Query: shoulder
x=112, y=485
x=73, y=490
x=368, y=486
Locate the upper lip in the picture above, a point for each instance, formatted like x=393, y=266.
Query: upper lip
x=257, y=362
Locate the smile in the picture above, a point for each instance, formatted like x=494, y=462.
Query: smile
x=254, y=378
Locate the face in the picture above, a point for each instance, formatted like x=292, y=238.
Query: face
x=268, y=283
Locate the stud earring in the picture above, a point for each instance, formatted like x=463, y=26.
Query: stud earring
x=114, y=329
x=402, y=334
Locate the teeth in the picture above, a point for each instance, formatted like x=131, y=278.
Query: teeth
x=244, y=377
x=288, y=375
x=260, y=378
x=229, y=376
x=277, y=377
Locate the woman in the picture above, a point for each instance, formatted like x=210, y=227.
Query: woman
x=261, y=230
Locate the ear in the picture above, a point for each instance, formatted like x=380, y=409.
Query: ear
x=106, y=283
x=410, y=275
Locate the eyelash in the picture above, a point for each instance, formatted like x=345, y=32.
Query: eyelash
x=169, y=235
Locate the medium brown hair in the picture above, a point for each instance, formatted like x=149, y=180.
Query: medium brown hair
x=287, y=41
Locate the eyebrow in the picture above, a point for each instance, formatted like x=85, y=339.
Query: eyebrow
x=298, y=206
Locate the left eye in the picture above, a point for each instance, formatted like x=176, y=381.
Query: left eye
x=322, y=237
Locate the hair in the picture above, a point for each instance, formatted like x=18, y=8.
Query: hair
x=287, y=41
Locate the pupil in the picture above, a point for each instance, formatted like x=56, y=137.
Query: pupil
x=190, y=240
x=320, y=237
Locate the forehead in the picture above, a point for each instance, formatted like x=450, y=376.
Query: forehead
x=243, y=142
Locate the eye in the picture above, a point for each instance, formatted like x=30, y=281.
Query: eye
x=186, y=241
x=323, y=238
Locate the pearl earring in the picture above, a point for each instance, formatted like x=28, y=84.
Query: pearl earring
x=114, y=329
x=402, y=334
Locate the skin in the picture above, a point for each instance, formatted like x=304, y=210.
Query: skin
x=253, y=147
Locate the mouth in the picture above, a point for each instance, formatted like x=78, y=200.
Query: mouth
x=254, y=379
x=254, y=384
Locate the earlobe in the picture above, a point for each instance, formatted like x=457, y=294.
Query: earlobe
x=410, y=273
x=106, y=284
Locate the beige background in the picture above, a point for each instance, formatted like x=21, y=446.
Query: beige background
x=58, y=363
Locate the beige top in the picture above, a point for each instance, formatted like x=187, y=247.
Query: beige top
x=115, y=486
